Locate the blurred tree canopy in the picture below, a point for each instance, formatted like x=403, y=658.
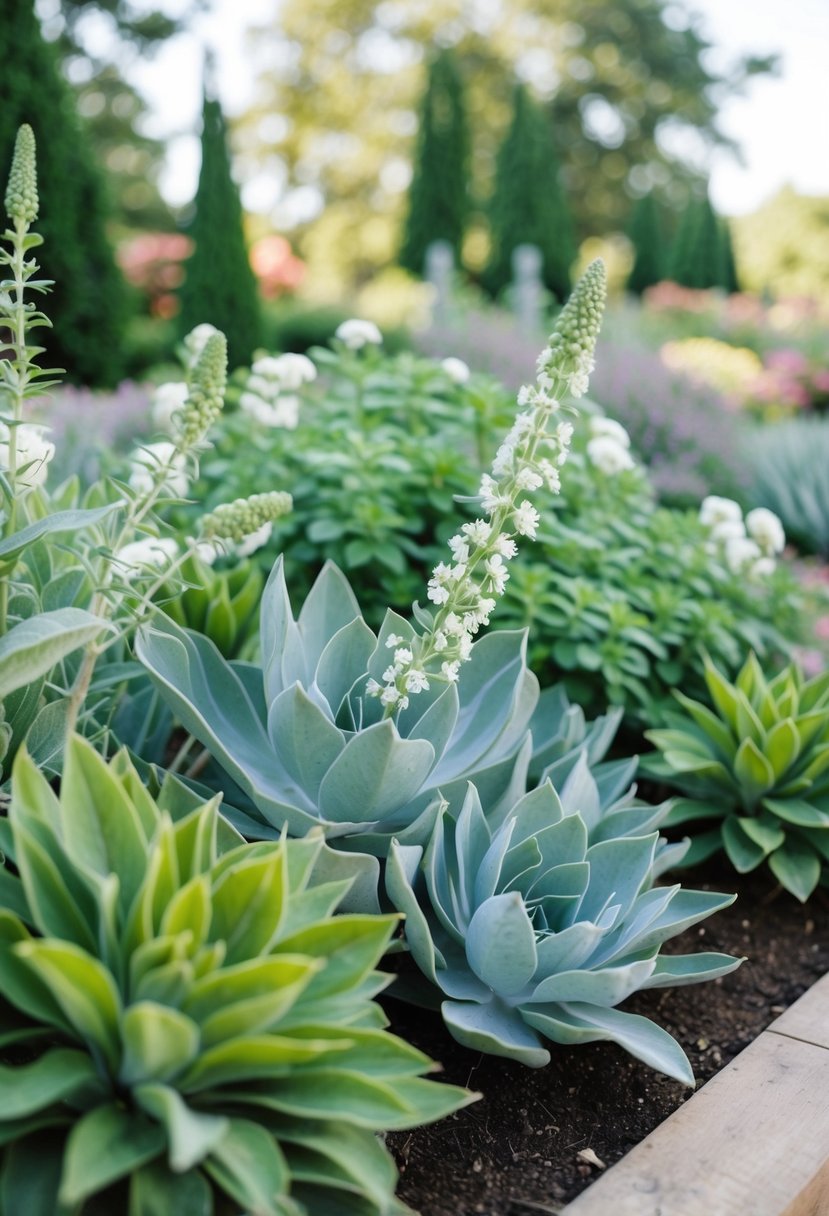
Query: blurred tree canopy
x=96, y=40
x=784, y=246
x=627, y=83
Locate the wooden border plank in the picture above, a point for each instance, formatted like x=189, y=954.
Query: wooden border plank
x=753, y=1142
x=808, y=1018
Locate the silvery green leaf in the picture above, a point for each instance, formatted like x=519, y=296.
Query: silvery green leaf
x=329, y=606
x=618, y=868
x=305, y=741
x=376, y=772
x=605, y=986
x=59, y=521
x=580, y=794
x=344, y=660
x=33, y=647
x=495, y=1028
x=500, y=944
x=678, y=969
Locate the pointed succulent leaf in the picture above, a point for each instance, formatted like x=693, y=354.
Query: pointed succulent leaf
x=158, y=1043
x=743, y=852
x=105, y=1145
x=376, y=772
x=796, y=866
x=678, y=969
x=304, y=739
x=500, y=944
x=329, y=606
x=191, y=1134
x=494, y=1028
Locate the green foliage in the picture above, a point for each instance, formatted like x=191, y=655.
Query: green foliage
x=648, y=243
x=528, y=205
x=219, y=285
x=790, y=474
x=193, y=1028
x=529, y=933
x=756, y=756
x=221, y=604
x=728, y=266
x=88, y=304
x=783, y=248
x=698, y=257
x=438, y=199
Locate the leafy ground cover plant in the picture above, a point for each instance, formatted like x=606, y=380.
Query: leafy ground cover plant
x=189, y=1027
x=525, y=932
x=756, y=756
x=64, y=606
x=790, y=474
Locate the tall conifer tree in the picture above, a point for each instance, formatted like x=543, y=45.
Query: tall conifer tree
x=219, y=285
x=728, y=266
x=88, y=304
x=438, y=195
x=648, y=243
x=528, y=206
x=696, y=256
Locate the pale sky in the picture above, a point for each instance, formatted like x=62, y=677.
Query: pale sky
x=780, y=122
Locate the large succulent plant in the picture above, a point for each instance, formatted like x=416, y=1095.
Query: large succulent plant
x=529, y=933
x=309, y=747
x=187, y=1031
x=757, y=758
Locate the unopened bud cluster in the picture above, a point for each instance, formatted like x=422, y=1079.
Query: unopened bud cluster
x=205, y=398
x=234, y=521
x=465, y=590
x=21, y=192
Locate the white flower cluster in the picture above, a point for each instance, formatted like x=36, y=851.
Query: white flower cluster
x=270, y=394
x=166, y=405
x=456, y=369
x=748, y=545
x=466, y=589
x=196, y=341
x=147, y=463
x=34, y=451
x=356, y=334
x=608, y=448
x=150, y=553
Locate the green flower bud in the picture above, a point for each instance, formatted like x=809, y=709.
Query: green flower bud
x=234, y=521
x=207, y=390
x=21, y=192
x=573, y=339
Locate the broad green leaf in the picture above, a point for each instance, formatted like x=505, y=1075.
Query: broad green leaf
x=158, y=1043
x=723, y=694
x=796, y=866
x=255, y=1056
x=717, y=731
x=32, y=647
x=83, y=989
x=248, y=900
x=782, y=747
x=248, y=998
x=376, y=773
x=743, y=853
x=248, y=1165
x=105, y=1145
x=765, y=832
x=156, y=1191
x=58, y=1075
x=793, y=810
x=753, y=771
x=191, y=1134
x=54, y=907
x=31, y=1175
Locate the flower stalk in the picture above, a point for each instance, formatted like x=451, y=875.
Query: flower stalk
x=466, y=589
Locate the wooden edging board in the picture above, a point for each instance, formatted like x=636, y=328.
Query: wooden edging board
x=753, y=1142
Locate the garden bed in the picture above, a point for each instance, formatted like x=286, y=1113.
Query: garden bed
x=538, y=1136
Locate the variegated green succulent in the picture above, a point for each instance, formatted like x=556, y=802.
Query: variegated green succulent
x=529, y=933
x=757, y=758
x=308, y=746
x=187, y=1030
x=221, y=604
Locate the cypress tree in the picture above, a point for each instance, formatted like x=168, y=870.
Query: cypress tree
x=528, y=205
x=438, y=197
x=219, y=285
x=88, y=304
x=696, y=259
x=647, y=239
x=728, y=266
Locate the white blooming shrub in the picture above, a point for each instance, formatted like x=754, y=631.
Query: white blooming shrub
x=749, y=546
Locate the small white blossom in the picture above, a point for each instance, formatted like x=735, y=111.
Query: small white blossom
x=564, y=433
x=453, y=625
x=436, y=592
x=464, y=647
x=612, y=429
x=505, y=545
x=728, y=529
x=456, y=369
x=390, y=695
x=551, y=475
x=356, y=334
x=765, y=527
x=417, y=681
x=525, y=519
x=394, y=639
x=497, y=572
x=373, y=688
x=763, y=568
x=149, y=553
x=578, y=384
x=491, y=496
x=449, y=671
x=255, y=540
x=528, y=479
x=716, y=510
x=441, y=641
x=460, y=548
x=148, y=460
x=478, y=531
x=167, y=401
x=33, y=450
x=293, y=370
x=740, y=551
x=608, y=456
x=403, y=656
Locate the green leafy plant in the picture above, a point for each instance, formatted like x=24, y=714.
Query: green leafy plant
x=221, y=604
x=756, y=757
x=790, y=474
x=190, y=1027
x=525, y=932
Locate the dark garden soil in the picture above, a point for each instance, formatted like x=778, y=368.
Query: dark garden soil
x=531, y=1144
